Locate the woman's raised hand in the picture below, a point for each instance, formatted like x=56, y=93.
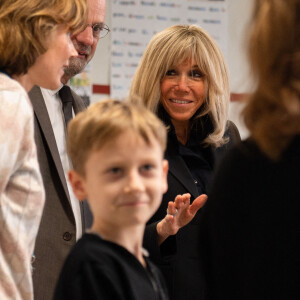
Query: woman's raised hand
x=179, y=213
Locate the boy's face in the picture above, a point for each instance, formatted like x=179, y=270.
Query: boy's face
x=124, y=181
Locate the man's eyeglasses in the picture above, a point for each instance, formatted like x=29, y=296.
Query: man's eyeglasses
x=99, y=30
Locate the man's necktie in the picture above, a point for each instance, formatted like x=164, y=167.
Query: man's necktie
x=67, y=101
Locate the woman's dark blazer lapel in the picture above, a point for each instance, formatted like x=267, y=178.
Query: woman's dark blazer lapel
x=179, y=170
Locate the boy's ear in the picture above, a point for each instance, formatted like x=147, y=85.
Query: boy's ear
x=165, y=175
x=78, y=185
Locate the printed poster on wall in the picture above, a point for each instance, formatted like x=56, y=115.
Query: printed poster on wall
x=135, y=22
x=81, y=84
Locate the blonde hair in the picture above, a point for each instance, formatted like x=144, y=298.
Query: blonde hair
x=26, y=25
x=106, y=120
x=273, y=112
x=177, y=44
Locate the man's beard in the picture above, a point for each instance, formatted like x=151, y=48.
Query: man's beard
x=76, y=66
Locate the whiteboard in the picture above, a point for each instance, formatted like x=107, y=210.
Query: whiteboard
x=135, y=22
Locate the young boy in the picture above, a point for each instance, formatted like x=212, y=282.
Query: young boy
x=117, y=151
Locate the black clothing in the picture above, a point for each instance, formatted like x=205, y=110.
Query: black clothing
x=199, y=161
x=99, y=269
x=178, y=257
x=251, y=226
x=198, y=158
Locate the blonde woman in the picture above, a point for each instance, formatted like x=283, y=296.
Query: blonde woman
x=182, y=77
x=252, y=216
x=35, y=46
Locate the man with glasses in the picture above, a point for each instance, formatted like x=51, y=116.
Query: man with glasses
x=64, y=218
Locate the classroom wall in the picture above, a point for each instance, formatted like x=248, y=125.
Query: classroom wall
x=239, y=12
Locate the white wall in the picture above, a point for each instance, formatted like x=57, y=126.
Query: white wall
x=239, y=15
x=100, y=65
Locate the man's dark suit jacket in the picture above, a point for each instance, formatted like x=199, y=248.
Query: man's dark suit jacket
x=179, y=256
x=57, y=232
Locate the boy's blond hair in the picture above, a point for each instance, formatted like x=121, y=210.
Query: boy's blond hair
x=106, y=120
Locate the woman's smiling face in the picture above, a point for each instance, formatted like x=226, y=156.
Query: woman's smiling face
x=182, y=92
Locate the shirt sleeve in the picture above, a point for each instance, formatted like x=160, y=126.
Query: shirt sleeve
x=21, y=195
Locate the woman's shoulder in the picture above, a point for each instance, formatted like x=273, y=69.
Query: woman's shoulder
x=243, y=149
x=10, y=85
x=232, y=132
x=246, y=157
x=13, y=97
x=232, y=137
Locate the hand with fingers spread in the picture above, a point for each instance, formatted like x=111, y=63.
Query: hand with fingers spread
x=179, y=213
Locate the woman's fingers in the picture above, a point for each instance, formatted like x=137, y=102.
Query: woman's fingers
x=197, y=204
x=172, y=210
x=182, y=200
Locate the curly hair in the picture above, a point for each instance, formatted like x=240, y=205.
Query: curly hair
x=173, y=46
x=272, y=114
x=26, y=25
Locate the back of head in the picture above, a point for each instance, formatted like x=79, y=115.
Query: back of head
x=104, y=121
x=175, y=45
x=273, y=113
x=26, y=25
